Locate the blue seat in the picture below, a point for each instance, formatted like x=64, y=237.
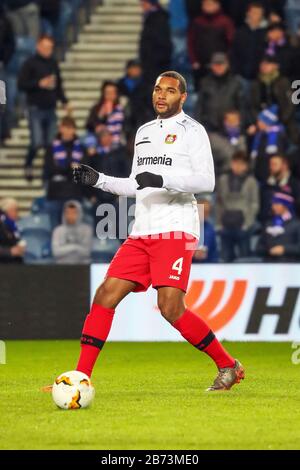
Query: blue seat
x=38, y=205
x=35, y=224
x=38, y=248
x=104, y=250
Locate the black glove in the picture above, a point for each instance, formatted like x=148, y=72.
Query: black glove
x=84, y=174
x=149, y=180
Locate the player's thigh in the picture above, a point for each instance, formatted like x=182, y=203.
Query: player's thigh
x=131, y=263
x=112, y=290
x=170, y=260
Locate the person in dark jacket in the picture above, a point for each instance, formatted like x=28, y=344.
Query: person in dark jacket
x=65, y=150
x=236, y=9
x=279, y=46
x=280, y=179
x=210, y=32
x=272, y=88
x=155, y=47
x=280, y=239
x=225, y=144
x=40, y=79
x=132, y=79
x=269, y=139
x=12, y=248
x=220, y=91
x=249, y=43
x=236, y=208
x=139, y=108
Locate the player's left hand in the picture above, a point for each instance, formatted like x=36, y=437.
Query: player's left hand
x=149, y=180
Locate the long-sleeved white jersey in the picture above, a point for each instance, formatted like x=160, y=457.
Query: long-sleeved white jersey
x=178, y=149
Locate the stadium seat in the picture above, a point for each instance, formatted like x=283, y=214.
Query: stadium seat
x=104, y=250
x=38, y=248
x=34, y=225
x=38, y=205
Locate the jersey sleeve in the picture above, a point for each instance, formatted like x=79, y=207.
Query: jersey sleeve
x=120, y=186
x=203, y=178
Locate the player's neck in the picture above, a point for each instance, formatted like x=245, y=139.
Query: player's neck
x=170, y=117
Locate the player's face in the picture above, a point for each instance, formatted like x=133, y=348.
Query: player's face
x=167, y=99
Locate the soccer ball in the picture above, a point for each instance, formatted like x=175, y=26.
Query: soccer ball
x=73, y=390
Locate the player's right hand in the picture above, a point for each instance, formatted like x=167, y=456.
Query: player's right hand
x=84, y=174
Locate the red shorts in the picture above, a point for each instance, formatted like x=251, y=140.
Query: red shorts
x=161, y=260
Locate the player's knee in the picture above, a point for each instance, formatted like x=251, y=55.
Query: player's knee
x=105, y=295
x=170, y=308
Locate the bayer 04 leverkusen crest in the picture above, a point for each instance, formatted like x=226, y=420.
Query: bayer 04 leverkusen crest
x=170, y=139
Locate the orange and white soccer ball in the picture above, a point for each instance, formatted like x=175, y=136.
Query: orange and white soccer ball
x=73, y=390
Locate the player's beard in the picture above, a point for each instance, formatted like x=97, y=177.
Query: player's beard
x=171, y=109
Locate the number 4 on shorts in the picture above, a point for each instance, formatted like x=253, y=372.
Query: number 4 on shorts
x=177, y=265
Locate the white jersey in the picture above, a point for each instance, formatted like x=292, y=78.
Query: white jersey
x=178, y=149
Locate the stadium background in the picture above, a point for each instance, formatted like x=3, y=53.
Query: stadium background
x=149, y=395
x=93, y=43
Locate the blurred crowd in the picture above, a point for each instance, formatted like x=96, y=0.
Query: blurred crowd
x=241, y=59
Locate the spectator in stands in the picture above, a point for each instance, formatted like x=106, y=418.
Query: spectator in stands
x=236, y=9
x=107, y=112
x=207, y=251
x=236, y=208
x=219, y=92
x=65, y=150
x=132, y=79
x=12, y=248
x=155, y=48
x=268, y=139
x=72, y=241
x=280, y=238
x=249, y=43
x=210, y=32
x=280, y=179
x=139, y=108
x=278, y=45
x=272, y=88
x=231, y=140
x=40, y=79
x=7, y=48
x=106, y=157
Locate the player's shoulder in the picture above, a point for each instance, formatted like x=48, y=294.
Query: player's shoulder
x=146, y=125
x=192, y=125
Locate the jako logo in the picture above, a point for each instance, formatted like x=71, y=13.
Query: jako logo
x=208, y=309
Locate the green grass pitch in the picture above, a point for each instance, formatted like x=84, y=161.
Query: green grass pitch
x=151, y=396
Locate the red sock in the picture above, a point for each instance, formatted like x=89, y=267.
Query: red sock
x=198, y=333
x=94, y=334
